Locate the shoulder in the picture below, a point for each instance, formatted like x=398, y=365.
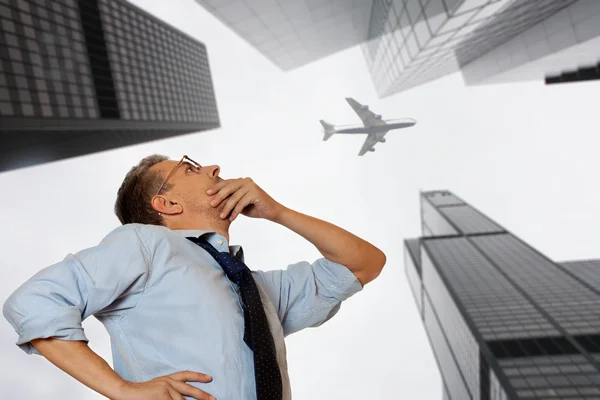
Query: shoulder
x=142, y=236
x=138, y=232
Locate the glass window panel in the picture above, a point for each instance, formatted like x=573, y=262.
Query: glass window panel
x=44, y=98
x=6, y=108
x=46, y=110
x=27, y=109
x=40, y=84
x=23, y=5
x=29, y=32
x=11, y=39
x=4, y=94
x=26, y=19
x=21, y=82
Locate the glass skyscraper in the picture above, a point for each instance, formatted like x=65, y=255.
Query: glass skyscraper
x=79, y=77
x=586, y=73
x=411, y=42
x=395, y=33
x=504, y=321
x=555, y=40
x=407, y=43
x=292, y=33
x=490, y=41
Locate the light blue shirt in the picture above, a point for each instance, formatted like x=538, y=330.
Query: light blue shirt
x=168, y=306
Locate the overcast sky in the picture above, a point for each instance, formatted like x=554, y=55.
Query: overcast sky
x=525, y=154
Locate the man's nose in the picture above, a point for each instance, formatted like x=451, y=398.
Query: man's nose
x=212, y=170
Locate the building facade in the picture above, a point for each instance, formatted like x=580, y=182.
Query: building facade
x=489, y=41
x=587, y=73
x=79, y=77
x=553, y=40
x=293, y=33
x=413, y=42
x=407, y=43
x=504, y=321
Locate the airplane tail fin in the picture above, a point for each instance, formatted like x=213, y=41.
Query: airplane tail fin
x=328, y=129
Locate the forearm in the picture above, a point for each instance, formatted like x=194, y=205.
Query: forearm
x=336, y=244
x=82, y=363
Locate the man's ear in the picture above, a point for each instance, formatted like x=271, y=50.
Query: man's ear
x=165, y=206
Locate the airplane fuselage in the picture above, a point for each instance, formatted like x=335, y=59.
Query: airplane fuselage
x=373, y=128
x=372, y=124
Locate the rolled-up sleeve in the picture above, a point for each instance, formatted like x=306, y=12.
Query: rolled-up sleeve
x=307, y=295
x=106, y=279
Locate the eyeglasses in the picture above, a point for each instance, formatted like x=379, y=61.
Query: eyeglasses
x=183, y=159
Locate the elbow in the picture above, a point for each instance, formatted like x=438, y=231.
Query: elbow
x=14, y=312
x=382, y=260
x=378, y=263
x=8, y=310
x=375, y=264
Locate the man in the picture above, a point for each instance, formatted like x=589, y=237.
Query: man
x=180, y=325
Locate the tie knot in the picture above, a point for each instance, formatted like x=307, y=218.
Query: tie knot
x=231, y=265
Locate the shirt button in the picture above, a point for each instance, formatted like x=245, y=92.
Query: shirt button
x=220, y=242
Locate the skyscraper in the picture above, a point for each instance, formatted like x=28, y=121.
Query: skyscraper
x=293, y=33
x=395, y=34
x=413, y=42
x=79, y=77
x=419, y=41
x=504, y=321
x=407, y=43
x=587, y=73
x=531, y=40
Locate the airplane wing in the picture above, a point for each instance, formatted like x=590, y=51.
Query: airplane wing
x=368, y=117
x=370, y=142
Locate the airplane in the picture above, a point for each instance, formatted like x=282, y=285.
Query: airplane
x=373, y=125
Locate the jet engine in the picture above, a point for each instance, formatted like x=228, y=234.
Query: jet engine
x=364, y=107
x=382, y=140
x=371, y=149
x=378, y=116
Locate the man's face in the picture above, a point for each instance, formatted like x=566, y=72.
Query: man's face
x=189, y=185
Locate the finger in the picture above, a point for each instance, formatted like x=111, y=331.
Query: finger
x=225, y=191
x=175, y=395
x=216, y=187
x=190, y=376
x=192, y=391
x=233, y=200
x=243, y=203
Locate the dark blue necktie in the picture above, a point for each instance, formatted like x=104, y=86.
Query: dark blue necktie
x=257, y=334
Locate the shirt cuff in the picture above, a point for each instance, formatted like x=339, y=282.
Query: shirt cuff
x=64, y=324
x=336, y=279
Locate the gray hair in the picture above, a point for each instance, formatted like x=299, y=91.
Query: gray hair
x=139, y=186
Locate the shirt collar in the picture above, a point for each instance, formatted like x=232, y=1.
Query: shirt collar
x=216, y=240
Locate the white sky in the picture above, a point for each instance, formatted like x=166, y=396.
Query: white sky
x=525, y=154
